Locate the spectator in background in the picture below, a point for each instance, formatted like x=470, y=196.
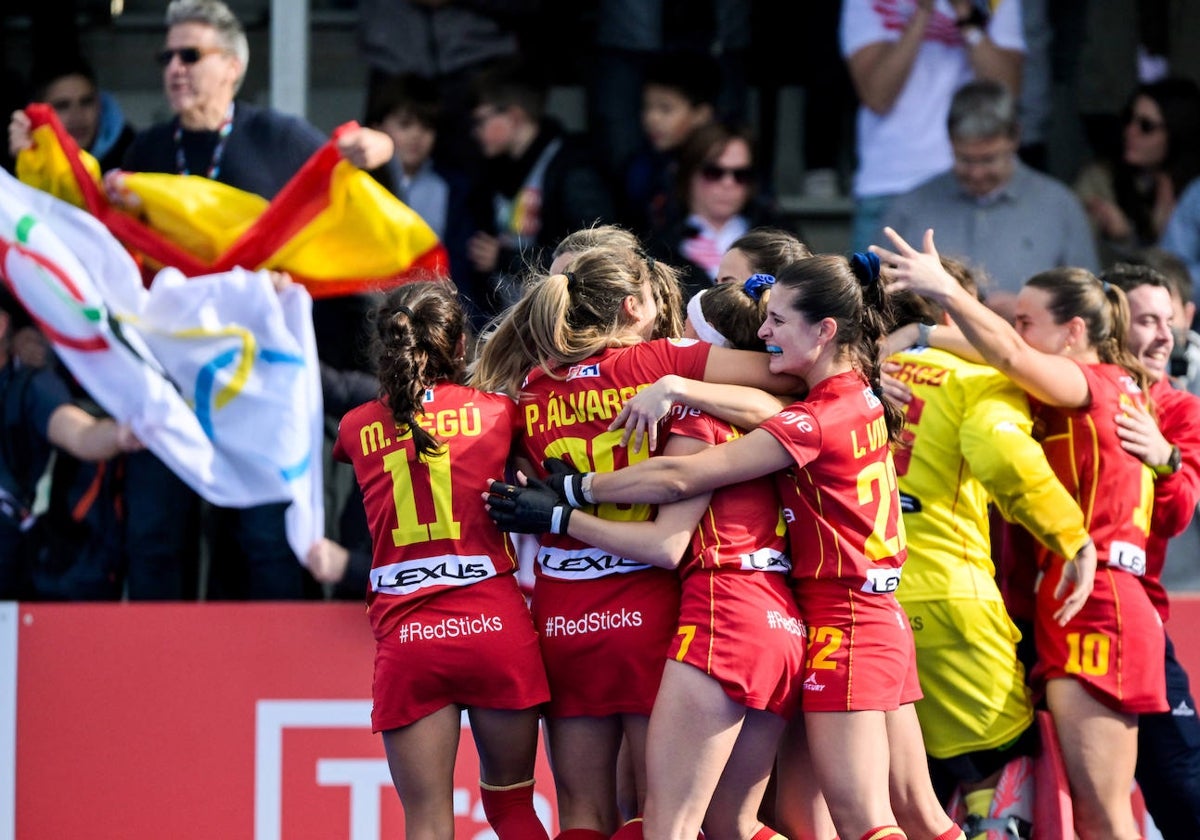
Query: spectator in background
x=36, y=415
x=407, y=109
x=1184, y=368
x=678, y=96
x=448, y=43
x=989, y=208
x=717, y=187
x=257, y=150
x=91, y=116
x=1130, y=199
x=539, y=184
x=906, y=59
x=632, y=34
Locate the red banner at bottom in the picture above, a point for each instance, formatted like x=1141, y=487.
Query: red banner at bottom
x=181, y=721
x=209, y=720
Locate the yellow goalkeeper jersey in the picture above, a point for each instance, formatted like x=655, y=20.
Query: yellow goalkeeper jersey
x=967, y=440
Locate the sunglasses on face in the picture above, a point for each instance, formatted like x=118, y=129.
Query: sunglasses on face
x=712, y=172
x=1144, y=124
x=187, y=55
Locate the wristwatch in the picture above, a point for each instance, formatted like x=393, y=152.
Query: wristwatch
x=1174, y=461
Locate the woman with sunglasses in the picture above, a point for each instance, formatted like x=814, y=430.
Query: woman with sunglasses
x=717, y=187
x=1130, y=199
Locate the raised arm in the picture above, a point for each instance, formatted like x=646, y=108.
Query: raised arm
x=89, y=438
x=880, y=70
x=1052, y=379
x=988, y=59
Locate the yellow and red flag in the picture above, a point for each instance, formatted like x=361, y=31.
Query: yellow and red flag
x=332, y=227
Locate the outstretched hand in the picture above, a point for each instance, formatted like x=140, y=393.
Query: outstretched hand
x=1078, y=577
x=916, y=271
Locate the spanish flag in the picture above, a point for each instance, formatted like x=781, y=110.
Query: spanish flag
x=332, y=227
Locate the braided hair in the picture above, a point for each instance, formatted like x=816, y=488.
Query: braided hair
x=420, y=330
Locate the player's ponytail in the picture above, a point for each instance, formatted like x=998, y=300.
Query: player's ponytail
x=420, y=336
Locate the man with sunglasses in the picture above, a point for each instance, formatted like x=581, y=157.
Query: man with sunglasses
x=204, y=61
x=990, y=209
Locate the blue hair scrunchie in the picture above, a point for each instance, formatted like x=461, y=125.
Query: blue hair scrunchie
x=757, y=284
x=865, y=267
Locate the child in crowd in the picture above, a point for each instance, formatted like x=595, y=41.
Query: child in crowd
x=678, y=96
x=407, y=109
x=539, y=183
x=92, y=116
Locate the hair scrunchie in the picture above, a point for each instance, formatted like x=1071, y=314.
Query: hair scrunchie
x=406, y=311
x=757, y=284
x=865, y=267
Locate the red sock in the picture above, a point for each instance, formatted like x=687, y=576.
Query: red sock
x=885, y=832
x=767, y=833
x=581, y=834
x=632, y=830
x=952, y=833
x=510, y=813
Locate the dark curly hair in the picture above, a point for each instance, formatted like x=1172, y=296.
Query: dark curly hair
x=420, y=331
